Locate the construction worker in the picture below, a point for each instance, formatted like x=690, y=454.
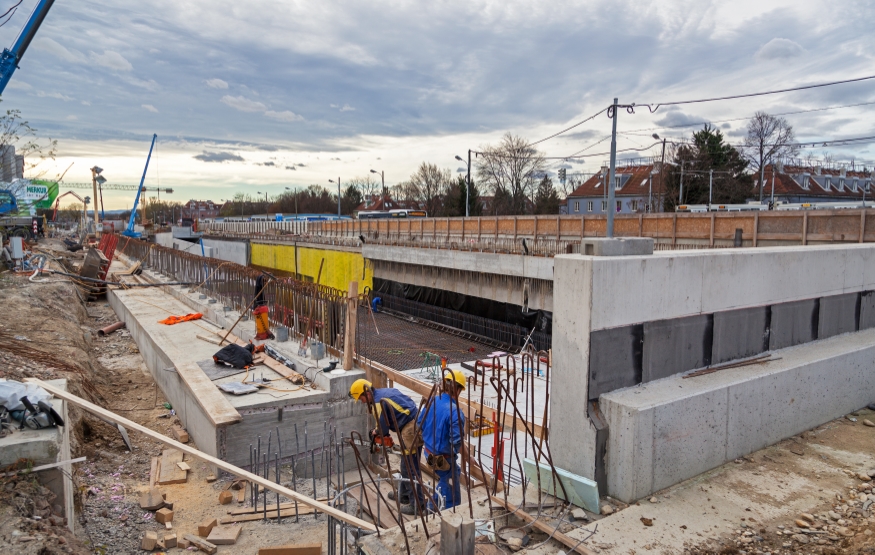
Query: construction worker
x=442, y=422
x=390, y=407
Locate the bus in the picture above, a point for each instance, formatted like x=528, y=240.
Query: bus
x=386, y=214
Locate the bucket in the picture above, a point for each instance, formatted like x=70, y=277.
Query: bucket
x=317, y=350
x=282, y=333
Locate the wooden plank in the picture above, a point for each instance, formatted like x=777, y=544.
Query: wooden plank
x=200, y=455
x=153, y=472
x=270, y=507
x=170, y=473
x=224, y=535
x=284, y=513
x=201, y=544
x=208, y=339
x=293, y=549
x=183, y=466
x=350, y=327
x=545, y=528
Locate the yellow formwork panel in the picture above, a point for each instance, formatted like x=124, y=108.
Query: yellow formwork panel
x=340, y=268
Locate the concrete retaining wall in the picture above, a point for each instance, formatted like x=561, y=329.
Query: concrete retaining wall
x=599, y=294
x=667, y=431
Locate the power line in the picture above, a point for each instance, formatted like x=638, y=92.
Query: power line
x=654, y=107
x=592, y=117
x=633, y=131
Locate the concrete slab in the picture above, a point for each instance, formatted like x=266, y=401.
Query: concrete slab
x=616, y=246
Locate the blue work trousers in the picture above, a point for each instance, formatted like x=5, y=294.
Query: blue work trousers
x=408, y=463
x=449, y=486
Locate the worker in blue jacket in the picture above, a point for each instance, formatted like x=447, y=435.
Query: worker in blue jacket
x=390, y=408
x=442, y=435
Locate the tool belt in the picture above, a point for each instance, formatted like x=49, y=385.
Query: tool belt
x=408, y=437
x=437, y=462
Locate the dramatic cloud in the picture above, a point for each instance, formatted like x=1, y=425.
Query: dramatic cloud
x=283, y=116
x=149, y=108
x=779, y=49
x=217, y=84
x=218, y=157
x=112, y=60
x=243, y=104
x=677, y=118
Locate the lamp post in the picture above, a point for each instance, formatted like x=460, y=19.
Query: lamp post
x=467, y=182
x=338, y=195
x=382, y=179
x=296, y=201
x=266, y=215
x=661, y=169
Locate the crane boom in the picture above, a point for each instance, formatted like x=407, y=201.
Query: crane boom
x=9, y=58
x=114, y=187
x=129, y=232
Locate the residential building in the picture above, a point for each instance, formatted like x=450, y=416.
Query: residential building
x=637, y=186
x=800, y=181
x=200, y=209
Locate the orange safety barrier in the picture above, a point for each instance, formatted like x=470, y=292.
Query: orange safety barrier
x=170, y=320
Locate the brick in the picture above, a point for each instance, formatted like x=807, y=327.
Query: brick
x=163, y=515
x=150, y=540
x=225, y=497
x=205, y=527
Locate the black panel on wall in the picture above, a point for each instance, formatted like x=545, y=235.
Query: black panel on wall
x=793, y=323
x=740, y=333
x=614, y=359
x=676, y=345
x=867, y=310
x=838, y=314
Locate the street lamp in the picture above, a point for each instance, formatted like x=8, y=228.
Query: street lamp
x=382, y=178
x=266, y=215
x=661, y=172
x=338, y=195
x=467, y=181
x=296, y=201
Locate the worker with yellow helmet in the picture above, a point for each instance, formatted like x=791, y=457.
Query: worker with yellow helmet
x=385, y=401
x=442, y=422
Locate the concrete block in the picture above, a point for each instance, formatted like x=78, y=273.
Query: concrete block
x=740, y=333
x=615, y=359
x=867, y=310
x=675, y=346
x=838, y=314
x=793, y=323
x=616, y=246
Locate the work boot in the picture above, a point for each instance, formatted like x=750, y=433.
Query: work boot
x=391, y=496
x=408, y=509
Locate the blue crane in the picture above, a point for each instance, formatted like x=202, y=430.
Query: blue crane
x=129, y=231
x=9, y=58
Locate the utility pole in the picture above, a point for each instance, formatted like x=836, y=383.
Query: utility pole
x=661, y=178
x=338, y=197
x=468, y=187
x=710, y=187
x=773, y=187
x=681, y=192
x=613, y=170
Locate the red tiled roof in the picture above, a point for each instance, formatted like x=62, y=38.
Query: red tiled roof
x=634, y=185
x=823, y=183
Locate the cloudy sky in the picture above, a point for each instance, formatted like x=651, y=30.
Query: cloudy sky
x=259, y=96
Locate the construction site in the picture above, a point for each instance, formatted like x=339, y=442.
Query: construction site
x=621, y=395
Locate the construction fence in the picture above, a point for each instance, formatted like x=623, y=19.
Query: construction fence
x=303, y=307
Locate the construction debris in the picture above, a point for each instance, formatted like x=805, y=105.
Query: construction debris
x=202, y=544
x=225, y=497
x=151, y=500
x=293, y=549
x=204, y=528
x=224, y=535
x=180, y=434
x=169, y=472
x=150, y=540
x=163, y=516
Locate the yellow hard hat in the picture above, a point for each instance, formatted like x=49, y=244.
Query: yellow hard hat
x=358, y=387
x=456, y=376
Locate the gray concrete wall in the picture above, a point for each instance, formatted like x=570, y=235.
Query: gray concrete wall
x=232, y=250
x=504, y=278
x=601, y=293
x=667, y=431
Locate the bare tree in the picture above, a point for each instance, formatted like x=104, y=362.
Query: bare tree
x=430, y=184
x=510, y=170
x=370, y=189
x=17, y=132
x=768, y=138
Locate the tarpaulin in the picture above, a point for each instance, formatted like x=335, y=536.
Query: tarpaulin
x=170, y=320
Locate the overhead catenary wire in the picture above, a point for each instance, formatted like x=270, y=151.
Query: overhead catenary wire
x=569, y=128
x=653, y=107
